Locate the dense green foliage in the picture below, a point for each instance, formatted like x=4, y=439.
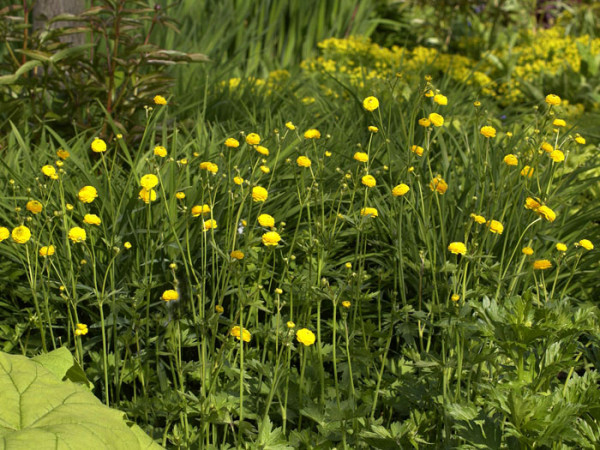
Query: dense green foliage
x=419, y=271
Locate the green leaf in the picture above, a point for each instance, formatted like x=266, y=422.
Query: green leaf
x=62, y=364
x=40, y=411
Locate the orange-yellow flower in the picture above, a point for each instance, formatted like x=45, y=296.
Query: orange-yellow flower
x=542, y=264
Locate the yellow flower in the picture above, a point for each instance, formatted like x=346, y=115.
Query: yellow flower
x=159, y=150
x=559, y=123
x=312, y=134
x=586, y=243
x=527, y=251
x=259, y=194
x=458, y=248
x=440, y=99
x=265, y=169
x=304, y=335
x=476, y=104
x=424, y=122
x=369, y=181
x=346, y=304
x=348, y=265
x=183, y=161
x=253, y=139
x=240, y=334
x=477, y=218
x=219, y=309
x=147, y=195
x=69, y=207
x=400, y=190
x=553, y=100
x=271, y=238
x=531, y=203
x=266, y=220
x=436, y=119
x=169, y=295
x=127, y=245
x=77, y=234
x=92, y=219
x=488, y=131
x=557, y=156
x=495, y=226
x=527, y=171
x=262, y=150
x=547, y=213
x=81, y=329
x=49, y=171
x=211, y=167
x=47, y=251
x=4, y=233
x=278, y=291
x=541, y=264
x=232, y=143
x=238, y=180
x=237, y=254
x=579, y=139
x=371, y=103
x=429, y=93
x=21, y=234
x=180, y=195
x=511, y=160
x=303, y=161
x=210, y=224
x=62, y=154
x=369, y=212
x=361, y=156
x=160, y=100
x=198, y=210
x=87, y=194
x=547, y=147
x=149, y=181
x=327, y=153
x=561, y=247
x=438, y=184
x=34, y=206
x=290, y=324
x=98, y=145
x=417, y=149
x=290, y=126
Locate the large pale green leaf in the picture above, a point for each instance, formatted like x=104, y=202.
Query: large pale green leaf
x=39, y=411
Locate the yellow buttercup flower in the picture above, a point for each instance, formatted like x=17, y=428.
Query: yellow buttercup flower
x=312, y=134
x=542, y=264
x=373, y=129
x=265, y=169
x=477, y=218
x=50, y=171
x=400, y=190
x=527, y=251
x=476, y=104
x=62, y=154
x=77, y=234
x=438, y=185
x=4, y=233
x=436, y=119
x=266, y=220
x=440, y=99
x=290, y=324
x=160, y=151
x=511, y=160
x=219, y=309
x=81, y=329
x=170, y=295
x=262, y=150
x=21, y=234
x=127, y=245
x=237, y=254
x=253, y=139
x=361, y=156
x=271, y=238
x=417, y=149
x=305, y=336
x=159, y=100
x=488, y=132
x=424, y=122
x=149, y=181
x=198, y=210
x=34, y=207
x=180, y=195
x=290, y=126
x=87, y=194
x=209, y=166
x=546, y=213
x=210, y=224
x=585, y=243
x=98, y=146
x=369, y=212
x=559, y=123
x=47, y=250
x=369, y=181
x=238, y=180
x=553, y=100
x=547, y=147
x=580, y=140
x=92, y=219
x=557, y=156
x=429, y=93
x=531, y=203
x=259, y=194
x=527, y=171
x=346, y=304
x=232, y=143
x=458, y=248
x=370, y=103
x=561, y=247
x=495, y=226
x=303, y=161
x=241, y=334
x=147, y=195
